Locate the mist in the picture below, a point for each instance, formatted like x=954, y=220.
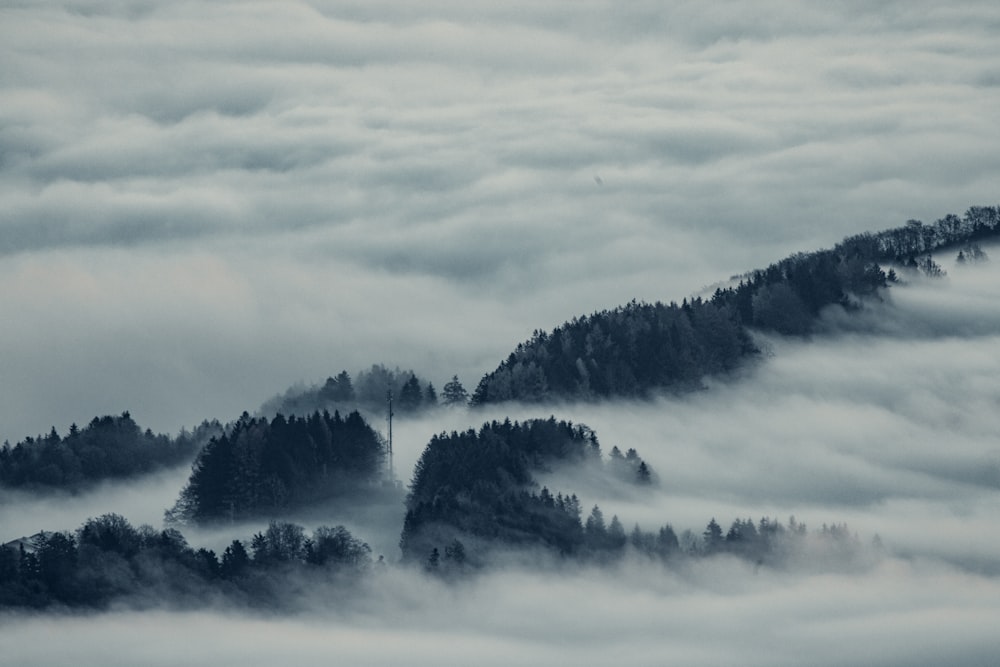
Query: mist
x=197, y=217
x=206, y=203
x=888, y=425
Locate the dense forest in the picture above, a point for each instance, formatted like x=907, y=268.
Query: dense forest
x=481, y=486
x=107, y=448
x=367, y=391
x=639, y=348
x=108, y=560
x=264, y=466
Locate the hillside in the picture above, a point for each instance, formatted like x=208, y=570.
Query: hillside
x=636, y=349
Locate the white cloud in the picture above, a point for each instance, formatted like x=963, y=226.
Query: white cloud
x=206, y=202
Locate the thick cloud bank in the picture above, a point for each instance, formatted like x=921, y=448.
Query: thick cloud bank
x=206, y=202
x=890, y=427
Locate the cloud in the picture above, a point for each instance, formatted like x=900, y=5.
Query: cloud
x=902, y=614
x=890, y=432
x=391, y=119
x=142, y=501
x=207, y=202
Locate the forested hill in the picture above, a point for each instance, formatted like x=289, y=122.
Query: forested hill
x=366, y=392
x=262, y=467
x=639, y=348
x=480, y=487
x=109, y=447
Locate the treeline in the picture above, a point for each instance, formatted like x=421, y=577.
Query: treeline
x=107, y=448
x=639, y=348
x=789, y=295
x=107, y=560
x=767, y=542
x=474, y=495
x=596, y=540
x=625, y=352
x=368, y=391
x=481, y=486
x=914, y=239
x=263, y=466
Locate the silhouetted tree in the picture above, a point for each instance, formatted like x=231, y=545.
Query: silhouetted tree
x=712, y=537
x=454, y=393
x=410, y=396
x=262, y=466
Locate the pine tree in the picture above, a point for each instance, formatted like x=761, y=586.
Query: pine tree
x=454, y=393
x=410, y=396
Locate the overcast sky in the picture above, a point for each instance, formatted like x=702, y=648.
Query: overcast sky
x=204, y=203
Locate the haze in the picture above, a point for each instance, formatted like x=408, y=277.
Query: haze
x=205, y=203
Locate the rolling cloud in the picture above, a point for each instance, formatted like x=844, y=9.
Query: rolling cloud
x=207, y=202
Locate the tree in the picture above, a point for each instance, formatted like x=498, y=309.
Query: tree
x=666, y=541
x=454, y=393
x=285, y=541
x=712, y=537
x=339, y=389
x=616, y=533
x=57, y=560
x=778, y=307
x=455, y=552
x=595, y=524
x=410, y=396
x=235, y=560
x=336, y=546
x=111, y=532
x=930, y=268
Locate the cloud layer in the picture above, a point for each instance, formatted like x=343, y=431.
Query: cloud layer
x=327, y=168
x=889, y=427
x=206, y=202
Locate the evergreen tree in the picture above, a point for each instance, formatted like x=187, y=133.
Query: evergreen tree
x=235, y=560
x=454, y=393
x=410, y=396
x=712, y=537
x=616, y=534
x=455, y=552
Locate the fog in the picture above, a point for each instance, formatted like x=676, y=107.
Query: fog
x=885, y=421
x=901, y=613
x=205, y=203
x=892, y=433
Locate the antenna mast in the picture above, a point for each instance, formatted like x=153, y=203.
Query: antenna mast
x=388, y=398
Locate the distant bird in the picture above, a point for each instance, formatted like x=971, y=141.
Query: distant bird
x=598, y=180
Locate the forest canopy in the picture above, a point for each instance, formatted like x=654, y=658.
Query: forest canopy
x=264, y=466
x=108, y=447
x=482, y=485
x=636, y=349
x=368, y=391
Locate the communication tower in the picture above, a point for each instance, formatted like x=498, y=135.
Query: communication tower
x=388, y=400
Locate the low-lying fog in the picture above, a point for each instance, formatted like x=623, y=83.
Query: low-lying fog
x=888, y=422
